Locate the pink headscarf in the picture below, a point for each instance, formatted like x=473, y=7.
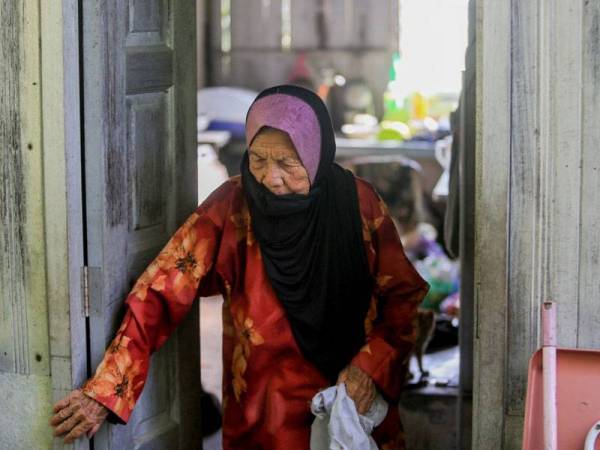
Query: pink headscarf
x=290, y=114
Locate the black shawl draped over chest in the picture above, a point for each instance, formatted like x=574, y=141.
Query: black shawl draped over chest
x=313, y=252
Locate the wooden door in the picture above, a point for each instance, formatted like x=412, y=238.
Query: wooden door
x=139, y=109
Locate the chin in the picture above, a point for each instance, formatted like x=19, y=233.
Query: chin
x=279, y=191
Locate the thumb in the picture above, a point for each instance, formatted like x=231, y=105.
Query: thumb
x=343, y=376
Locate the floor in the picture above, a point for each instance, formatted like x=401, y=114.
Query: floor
x=429, y=411
x=443, y=367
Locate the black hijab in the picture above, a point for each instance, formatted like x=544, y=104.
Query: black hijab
x=313, y=251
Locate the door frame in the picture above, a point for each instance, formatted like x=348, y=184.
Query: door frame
x=492, y=24
x=64, y=215
x=491, y=216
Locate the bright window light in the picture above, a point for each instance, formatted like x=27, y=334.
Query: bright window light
x=433, y=40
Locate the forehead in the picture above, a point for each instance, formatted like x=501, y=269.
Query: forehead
x=272, y=138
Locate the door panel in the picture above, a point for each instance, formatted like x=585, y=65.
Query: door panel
x=139, y=132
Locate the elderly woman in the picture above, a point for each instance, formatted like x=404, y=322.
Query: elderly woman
x=317, y=290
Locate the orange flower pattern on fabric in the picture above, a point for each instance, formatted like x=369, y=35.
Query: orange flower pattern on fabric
x=116, y=376
x=370, y=226
x=371, y=316
x=227, y=320
x=145, y=281
x=180, y=253
x=187, y=259
x=383, y=207
x=247, y=337
x=243, y=230
x=383, y=280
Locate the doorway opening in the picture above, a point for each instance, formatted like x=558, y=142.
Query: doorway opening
x=393, y=74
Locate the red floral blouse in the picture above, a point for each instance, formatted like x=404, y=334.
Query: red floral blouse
x=267, y=384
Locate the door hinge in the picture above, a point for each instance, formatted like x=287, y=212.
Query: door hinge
x=86, y=291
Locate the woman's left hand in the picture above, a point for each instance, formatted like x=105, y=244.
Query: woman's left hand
x=359, y=386
x=76, y=415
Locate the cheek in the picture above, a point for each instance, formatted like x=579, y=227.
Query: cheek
x=297, y=180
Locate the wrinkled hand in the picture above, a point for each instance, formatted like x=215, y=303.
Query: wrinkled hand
x=77, y=414
x=359, y=386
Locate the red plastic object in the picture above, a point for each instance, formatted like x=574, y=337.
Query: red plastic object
x=578, y=399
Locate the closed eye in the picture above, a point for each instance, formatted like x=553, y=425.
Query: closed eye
x=289, y=162
x=256, y=158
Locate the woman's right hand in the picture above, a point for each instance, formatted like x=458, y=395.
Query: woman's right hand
x=359, y=386
x=77, y=414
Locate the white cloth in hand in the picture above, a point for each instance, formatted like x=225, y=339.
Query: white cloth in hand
x=337, y=424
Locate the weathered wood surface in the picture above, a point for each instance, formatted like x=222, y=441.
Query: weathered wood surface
x=466, y=237
x=492, y=161
x=38, y=213
x=343, y=24
x=255, y=24
x=63, y=198
x=525, y=154
x=185, y=175
x=552, y=229
x=564, y=166
x=139, y=108
x=202, y=29
x=63, y=195
x=14, y=336
x=588, y=335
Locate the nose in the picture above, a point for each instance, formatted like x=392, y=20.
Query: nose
x=273, y=177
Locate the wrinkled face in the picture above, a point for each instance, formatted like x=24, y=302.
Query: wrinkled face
x=274, y=163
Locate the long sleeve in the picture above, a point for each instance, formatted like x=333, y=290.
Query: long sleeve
x=398, y=292
x=158, y=302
